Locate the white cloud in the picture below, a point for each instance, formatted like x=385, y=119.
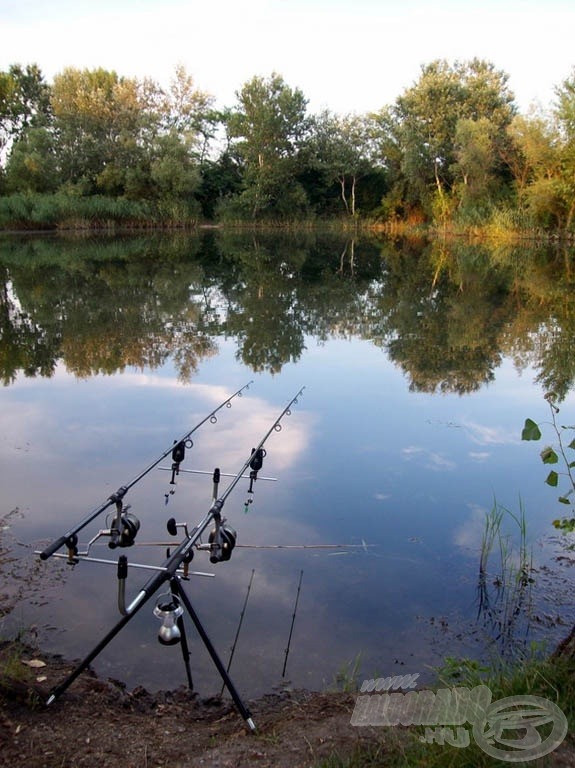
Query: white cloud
x=479, y=456
x=485, y=435
x=429, y=459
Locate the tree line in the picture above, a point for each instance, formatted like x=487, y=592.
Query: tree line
x=453, y=150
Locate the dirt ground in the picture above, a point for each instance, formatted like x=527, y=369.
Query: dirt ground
x=98, y=723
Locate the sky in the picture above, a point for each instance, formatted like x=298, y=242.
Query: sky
x=354, y=56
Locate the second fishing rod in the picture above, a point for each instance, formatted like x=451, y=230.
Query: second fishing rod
x=177, y=449
x=220, y=543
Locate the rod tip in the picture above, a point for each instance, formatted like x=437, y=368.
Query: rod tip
x=50, y=700
x=251, y=724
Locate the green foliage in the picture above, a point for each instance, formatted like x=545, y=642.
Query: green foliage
x=530, y=431
x=447, y=127
x=562, y=452
x=67, y=211
x=450, y=152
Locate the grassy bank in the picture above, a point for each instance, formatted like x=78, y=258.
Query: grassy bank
x=552, y=679
x=69, y=212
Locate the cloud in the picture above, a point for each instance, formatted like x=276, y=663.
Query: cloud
x=469, y=534
x=485, y=435
x=429, y=459
x=479, y=456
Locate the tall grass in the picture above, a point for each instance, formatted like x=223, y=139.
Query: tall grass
x=72, y=212
x=505, y=580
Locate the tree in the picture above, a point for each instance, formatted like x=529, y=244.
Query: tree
x=475, y=162
x=267, y=129
x=534, y=159
x=32, y=165
x=340, y=149
x=424, y=122
x=97, y=121
x=172, y=170
x=24, y=103
x=565, y=114
x=189, y=112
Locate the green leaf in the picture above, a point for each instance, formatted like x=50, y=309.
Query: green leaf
x=530, y=431
x=572, y=444
x=548, y=456
x=564, y=500
x=552, y=479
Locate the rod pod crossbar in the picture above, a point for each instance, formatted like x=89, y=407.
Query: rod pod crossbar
x=117, y=497
x=169, y=573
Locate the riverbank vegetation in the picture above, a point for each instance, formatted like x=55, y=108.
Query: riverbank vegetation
x=453, y=153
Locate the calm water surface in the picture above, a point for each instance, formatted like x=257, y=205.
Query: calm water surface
x=365, y=458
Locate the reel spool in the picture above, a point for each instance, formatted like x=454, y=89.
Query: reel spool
x=130, y=525
x=222, y=540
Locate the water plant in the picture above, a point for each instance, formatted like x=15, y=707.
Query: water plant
x=504, y=581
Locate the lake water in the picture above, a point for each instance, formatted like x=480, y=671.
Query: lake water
x=419, y=371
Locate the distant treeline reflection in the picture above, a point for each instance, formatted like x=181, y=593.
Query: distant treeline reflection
x=446, y=313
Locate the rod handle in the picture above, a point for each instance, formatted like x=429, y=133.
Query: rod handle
x=53, y=547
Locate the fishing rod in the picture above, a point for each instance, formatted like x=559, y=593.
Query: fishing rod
x=222, y=540
x=125, y=527
x=292, y=624
x=242, y=614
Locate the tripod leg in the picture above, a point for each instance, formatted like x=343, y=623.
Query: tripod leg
x=59, y=689
x=184, y=641
x=244, y=711
x=141, y=599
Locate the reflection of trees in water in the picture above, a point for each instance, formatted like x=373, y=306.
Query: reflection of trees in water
x=445, y=313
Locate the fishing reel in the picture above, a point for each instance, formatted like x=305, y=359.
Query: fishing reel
x=124, y=530
x=222, y=540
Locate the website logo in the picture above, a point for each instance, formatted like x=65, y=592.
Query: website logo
x=506, y=729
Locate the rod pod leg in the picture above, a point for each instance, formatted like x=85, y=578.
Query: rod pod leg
x=59, y=689
x=244, y=711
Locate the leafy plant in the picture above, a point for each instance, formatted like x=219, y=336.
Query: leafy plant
x=561, y=453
